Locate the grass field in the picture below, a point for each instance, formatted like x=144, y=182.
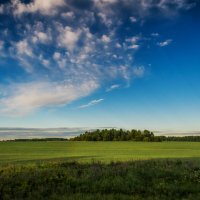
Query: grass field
x=95, y=151
x=138, y=180
x=146, y=175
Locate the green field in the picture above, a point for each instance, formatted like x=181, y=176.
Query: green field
x=84, y=171
x=95, y=151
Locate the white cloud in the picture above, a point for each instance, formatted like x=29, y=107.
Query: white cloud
x=179, y=4
x=155, y=34
x=133, y=39
x=42, y=37
x=133, y=19
x=122, y=71
x=27, y=51
x=139, y=71
x=102, y=3
x=92, y=103
x=134, y=46
x=60, y=60
x=133, y=42
x=105, y=39
x=109, y=1
x=23, y=53
x=69, y=14
x=26, y=98
x=46, y=7
x=68, y=38
x=143, y=9
x=1, y=9
x=56, y=56
x=105, y=20
x=1, y=44
x=164, y=43
x=112, y=87
x=118, y=45
x=23, y=48
x=45, y=62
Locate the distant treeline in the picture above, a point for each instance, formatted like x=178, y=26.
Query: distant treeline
x=116, y=135
x=181, y=139
x=129, y=135
x=40, y=139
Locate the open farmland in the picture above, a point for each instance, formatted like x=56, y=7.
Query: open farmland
x=106, y=152
x=84, y=170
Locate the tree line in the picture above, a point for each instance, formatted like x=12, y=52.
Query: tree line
x=39, y=139
x=116, y=135
x=129, y=135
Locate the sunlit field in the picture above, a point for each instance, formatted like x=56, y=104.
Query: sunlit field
x=11, y=152
x=94, y=170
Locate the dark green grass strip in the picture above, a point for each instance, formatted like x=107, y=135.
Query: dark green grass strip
x=151, y=180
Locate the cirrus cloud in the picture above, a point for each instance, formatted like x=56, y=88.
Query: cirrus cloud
x=164, y=43
x=92, y=103
x=26, y=98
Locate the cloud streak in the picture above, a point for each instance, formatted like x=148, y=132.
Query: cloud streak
x=91, y=103
x=112, y=87
x=164, y=43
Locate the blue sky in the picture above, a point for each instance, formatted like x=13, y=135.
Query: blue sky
x=74, y=63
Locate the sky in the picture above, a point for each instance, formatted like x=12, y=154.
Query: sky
x=100, y=63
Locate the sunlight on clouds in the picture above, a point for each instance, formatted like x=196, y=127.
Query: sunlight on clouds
x=68, y=37
x=26, y=98
x=43, y=6
x=105, y=39
x=23, y=48
x=42, y=37
x=134, y=46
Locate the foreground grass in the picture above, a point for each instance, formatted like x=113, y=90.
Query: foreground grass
x=139, y=180
x=12, y=152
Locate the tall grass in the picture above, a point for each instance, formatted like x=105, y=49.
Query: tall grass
x=151, y=180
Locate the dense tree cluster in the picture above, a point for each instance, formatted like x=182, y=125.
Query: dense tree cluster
x=180, y=139
x=126, y=135
x=116, y=135
x=40, y=139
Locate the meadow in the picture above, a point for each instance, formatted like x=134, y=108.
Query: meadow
x=59, y=170
x=105, y=152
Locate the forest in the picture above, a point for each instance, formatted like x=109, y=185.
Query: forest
x=129, y=135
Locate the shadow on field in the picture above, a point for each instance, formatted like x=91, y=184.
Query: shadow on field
x=90, y=159
x=52, y=160
x=166, y=179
